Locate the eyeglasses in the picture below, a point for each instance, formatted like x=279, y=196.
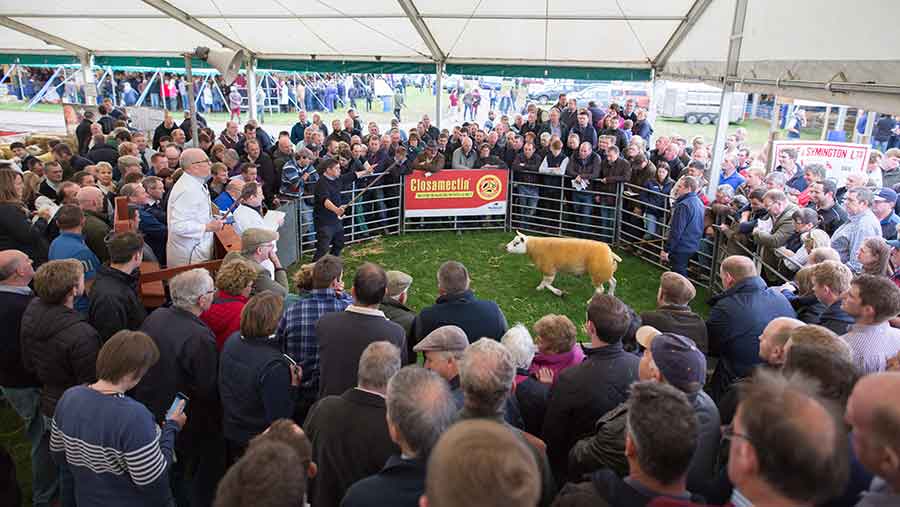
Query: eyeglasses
x=729, y=434
x=204, y=161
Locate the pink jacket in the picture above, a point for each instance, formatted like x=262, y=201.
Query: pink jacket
x=557, y=362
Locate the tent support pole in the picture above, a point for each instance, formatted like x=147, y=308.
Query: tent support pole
x=731, y=67
x=438, y=76
x=841, y=118
x=189, y=77
x=773, y=123
x=870, y=126
x=8, y=73
x=825, y=123
x=251, y=87
x=754, y=106
x=147, y=88
x=40, y=95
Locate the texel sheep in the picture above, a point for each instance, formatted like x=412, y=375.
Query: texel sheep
x=568, y=255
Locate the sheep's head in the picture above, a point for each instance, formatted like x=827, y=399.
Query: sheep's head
x=517, y=245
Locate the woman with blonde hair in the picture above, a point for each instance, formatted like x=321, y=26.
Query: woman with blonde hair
x=234, y=283
x=555, y=336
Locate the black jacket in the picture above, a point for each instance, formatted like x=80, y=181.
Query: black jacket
x=342, y=338
x=18, y=233
x=479, y=318
x=581, y=395
x=606, y=489
x=836, y=319
x=531, y=397
x=678, y=319
x=12, y=371
x=115, y=304
x=163, y=131
x=399, y=484
x=104, y=153
x=269, y=176
x=60, y=347
x=188, y=363
x=350, y=441
x=83, y=135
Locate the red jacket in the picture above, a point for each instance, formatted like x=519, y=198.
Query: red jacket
x=224, y=316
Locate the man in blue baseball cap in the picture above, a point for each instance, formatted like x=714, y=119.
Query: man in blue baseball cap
x=883, y=207
x=670, y=359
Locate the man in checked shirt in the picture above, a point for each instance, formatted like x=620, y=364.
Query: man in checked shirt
x=297, y=329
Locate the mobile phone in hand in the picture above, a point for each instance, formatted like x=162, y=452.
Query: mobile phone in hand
x=179, y=397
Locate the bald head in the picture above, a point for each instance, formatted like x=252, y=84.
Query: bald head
x=90, y=198
x=773, y=340
x=235, y=187
x=737, y=268
x=874, y=412
x=15, y=268
x=195, y=162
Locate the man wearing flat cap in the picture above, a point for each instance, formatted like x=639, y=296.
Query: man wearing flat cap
x=443, y=349
x=256, y=246
x=671, y=359
x=394, y=303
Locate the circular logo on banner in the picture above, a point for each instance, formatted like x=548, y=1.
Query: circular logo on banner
x=488, y=187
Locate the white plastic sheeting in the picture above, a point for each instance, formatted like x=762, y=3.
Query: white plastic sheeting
x=792, y=48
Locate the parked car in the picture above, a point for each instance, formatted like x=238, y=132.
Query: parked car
x=549, y=93
x=490, y=83
x=601, y=94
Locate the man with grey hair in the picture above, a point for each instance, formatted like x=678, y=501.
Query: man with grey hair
x=781, y=216
x=661, y=435
x=191, y=223
x=257, y=245
x=861, y=224
x=188, y=363
x=419, y=410
x=458, y=306
x=231, y=159
x=487, y=373
x=349, y=432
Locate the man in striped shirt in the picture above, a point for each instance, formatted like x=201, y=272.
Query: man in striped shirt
x=110, y=443
x=872, y=300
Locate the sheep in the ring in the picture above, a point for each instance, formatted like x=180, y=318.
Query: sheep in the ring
x=568, y=255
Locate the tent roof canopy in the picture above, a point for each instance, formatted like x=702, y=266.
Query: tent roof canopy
x=796, y=48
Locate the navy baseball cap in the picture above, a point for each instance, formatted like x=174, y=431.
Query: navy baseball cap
x=679, y=360
x=886, y=194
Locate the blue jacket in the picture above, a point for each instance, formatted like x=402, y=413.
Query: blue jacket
x=72, y=246
x=686, y=229
x=653, y=185
x=736, y=319
x=477, y=317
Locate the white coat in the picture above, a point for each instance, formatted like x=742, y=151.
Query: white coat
x=245, y=218
x=188, y=213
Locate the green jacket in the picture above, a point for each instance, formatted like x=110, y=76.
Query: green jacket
x=95, y=230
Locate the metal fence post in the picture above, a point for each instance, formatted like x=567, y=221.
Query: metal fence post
x=617, y=221
x=562, y=204
x=401, y=213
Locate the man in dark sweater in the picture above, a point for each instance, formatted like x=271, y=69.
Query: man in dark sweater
x=188, y=363
x=115, y=304
x=326, y=212
x=458, y=306
x=419, y=409
x=349, y=432
x=344, y=335
x=672, y=314
x=21, y=388
x=584, y=393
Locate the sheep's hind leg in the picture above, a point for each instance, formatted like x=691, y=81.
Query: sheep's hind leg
x=612, y=286
x=547, y=283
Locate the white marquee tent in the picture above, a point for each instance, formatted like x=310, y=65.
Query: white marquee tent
x=826, y=50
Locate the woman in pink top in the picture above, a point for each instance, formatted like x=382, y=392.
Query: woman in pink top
x=557, y=347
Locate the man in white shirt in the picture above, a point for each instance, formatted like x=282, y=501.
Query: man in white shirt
x=191, y=223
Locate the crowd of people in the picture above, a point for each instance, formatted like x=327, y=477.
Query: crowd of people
x=244, y=389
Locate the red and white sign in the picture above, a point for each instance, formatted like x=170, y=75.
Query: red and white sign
x=839, y=159
x=456, y=192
